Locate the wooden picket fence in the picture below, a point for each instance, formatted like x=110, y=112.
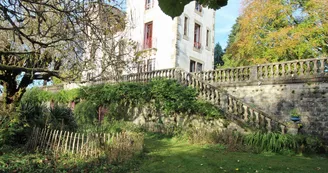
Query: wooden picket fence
x=91, y=144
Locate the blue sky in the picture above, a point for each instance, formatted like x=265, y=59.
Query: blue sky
x=224, y=19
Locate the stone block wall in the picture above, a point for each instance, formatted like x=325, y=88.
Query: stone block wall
x=147, y=115
x=309, y=99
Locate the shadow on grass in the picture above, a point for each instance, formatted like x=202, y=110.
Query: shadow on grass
x=165, y=154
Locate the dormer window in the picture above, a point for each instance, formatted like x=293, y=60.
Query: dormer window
x=149, y=4
x=198, y=7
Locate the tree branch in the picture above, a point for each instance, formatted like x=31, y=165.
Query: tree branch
x=29, y=70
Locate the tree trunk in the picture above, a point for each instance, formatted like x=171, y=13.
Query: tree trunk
x=12, y=92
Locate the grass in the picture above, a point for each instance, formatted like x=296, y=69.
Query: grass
x=172, y=155
x=165, y=154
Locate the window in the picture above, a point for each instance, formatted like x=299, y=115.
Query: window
x=149, y=4
x=197, y=43
x=192, y=66
x=151, y=65
x=199, y=67
x=89, y=76
x=198, y=7
x=208, y=35
x=148, y=35
x=141, y=67
x=195, y=66
x=185, y=27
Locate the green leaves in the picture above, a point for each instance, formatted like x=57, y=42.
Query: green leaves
x=175, y=8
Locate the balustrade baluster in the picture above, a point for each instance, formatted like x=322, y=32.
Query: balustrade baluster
x=268, y=127
x=260, y=72
x=295, y=69
x=277, y=71
x=245, y=114
x=241, y=74
x=209, y=92
x=230, y=105
x=271, y=72
x=262, y=123
x=237, y=74
x=289, y=70
x=212, y=77
x=232, y=75
x=219, y=76
x=257, y=119
x=266, y=71
x=205, y=76
x=251, y=116
x=308, y=68
x=315, y=67
x=301, y=68
x=213, y=94
x=322, y=66
x=240, y=109
x=283, y=129
x=283, y=72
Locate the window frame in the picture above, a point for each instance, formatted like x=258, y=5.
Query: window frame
x=149, y=4
x=185, y=26
x=197, y=36
x=198, y=8
x=151, y=64
x=194, y=66
x=148, y=39
x=208, y=38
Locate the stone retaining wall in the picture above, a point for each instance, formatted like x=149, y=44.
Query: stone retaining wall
x=309, y=99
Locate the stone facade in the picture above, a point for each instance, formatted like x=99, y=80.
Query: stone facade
x=309, y=99
x=148, y=116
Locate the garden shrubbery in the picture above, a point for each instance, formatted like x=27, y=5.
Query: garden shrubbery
x=258, y=141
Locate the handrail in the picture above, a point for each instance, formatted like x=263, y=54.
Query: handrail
x=316, y=68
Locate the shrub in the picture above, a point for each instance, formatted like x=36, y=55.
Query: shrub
x=85, y=114
x=233, y=140
x=61, y=117
x=11, y=129
x=124, y=146
x=273, y=142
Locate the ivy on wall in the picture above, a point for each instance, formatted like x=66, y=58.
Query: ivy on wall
x=167, y=95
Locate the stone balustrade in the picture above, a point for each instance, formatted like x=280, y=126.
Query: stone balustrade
x=238, y=110
x=146, y=76
x=234, y=107
x=281, y=72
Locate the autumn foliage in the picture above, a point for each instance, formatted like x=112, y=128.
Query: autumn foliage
x=279, y=30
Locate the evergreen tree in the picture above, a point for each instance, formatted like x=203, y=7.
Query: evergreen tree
x=218, y=53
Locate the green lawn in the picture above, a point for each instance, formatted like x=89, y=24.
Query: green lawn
x=164, y=154
x=173, y=156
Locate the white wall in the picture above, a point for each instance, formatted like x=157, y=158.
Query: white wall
x=164, y=29
x=186, y=44
x=170, y=48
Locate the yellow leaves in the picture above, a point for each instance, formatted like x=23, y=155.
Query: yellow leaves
x=277, y=30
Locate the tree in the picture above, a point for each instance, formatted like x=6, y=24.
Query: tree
x=280, y=30
x=226, y=58
x=233, y=33
x=49, y=38
x=218, y=53
x=175, y=8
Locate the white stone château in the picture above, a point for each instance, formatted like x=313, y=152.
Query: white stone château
x=185, y=42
